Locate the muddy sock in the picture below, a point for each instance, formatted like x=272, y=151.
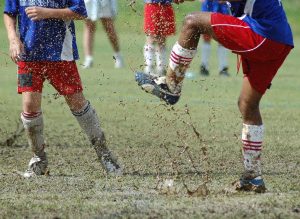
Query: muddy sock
x=252, y=137
x=33, y=124
x=89, y=122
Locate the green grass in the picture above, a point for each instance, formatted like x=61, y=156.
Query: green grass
x=141, y=130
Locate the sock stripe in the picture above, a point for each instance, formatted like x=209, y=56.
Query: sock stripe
x=31, y=115
x=84, y=111
x=254, y=142
x=252, y=145
x=176, y=56
x=251, y=149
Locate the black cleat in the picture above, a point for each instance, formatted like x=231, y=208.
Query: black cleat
x=224, y=72
x=156, y=86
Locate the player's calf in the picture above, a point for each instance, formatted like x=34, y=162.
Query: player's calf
x=89, y=122
x=33, y=124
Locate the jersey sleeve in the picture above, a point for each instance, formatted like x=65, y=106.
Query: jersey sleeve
x=11, y=7
x=77, y=6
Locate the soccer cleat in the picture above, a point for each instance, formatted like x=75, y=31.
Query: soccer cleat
x=256, y=185
x=204, y=71
x=224, y=72
x=37, y=166
x=88, y=63
x=110, y=164
x=157, y=87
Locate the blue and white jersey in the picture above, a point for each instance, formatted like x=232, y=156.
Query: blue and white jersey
x=214, y=6
x=48, y=39
x=268, y=19
x=159, y=1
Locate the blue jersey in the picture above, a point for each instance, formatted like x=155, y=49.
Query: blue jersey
x=267, y=18
x=214, y=6
x=158, y=1
x=48, y=39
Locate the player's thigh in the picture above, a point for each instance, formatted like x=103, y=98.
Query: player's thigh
x=234, y=34
x=260, y=73
x=64, y=77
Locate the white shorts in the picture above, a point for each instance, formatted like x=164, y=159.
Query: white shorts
x=97, y=9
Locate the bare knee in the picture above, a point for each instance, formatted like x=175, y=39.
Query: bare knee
x=76, y=101
x=31, y=102
x=198, y=21
x=249, y=110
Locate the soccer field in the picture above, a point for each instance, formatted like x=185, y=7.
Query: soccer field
x=195, y=143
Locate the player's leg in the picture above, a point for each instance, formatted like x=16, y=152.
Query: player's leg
x=252, y=138
x=149, y=55
x=182, y=53
x=161, y=56
x=88, y=42
x=30, y=84
x=205, y=54
x=223, y=60
x=66, y=80
x=108, y=25
x=90, y=124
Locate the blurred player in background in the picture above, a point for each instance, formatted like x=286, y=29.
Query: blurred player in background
x=213, y=6
x=263, y=39
x=106, y=11
x=159, y=23
x=44, y=48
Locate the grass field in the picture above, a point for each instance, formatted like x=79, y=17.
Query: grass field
x=154, y=142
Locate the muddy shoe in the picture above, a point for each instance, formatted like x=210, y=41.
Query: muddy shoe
x=37, y=166
x=157, y=87
x=256, y=185
x=110, y=164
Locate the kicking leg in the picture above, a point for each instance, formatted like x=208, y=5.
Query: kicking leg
x=169, y=88
x=252, y=137
x=89, y=122
x=32, y=119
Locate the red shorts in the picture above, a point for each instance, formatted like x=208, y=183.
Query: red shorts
x=63, y=76
x=261, y=57
x=159, y=19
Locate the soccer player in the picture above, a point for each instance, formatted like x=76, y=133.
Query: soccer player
x=106, y=11
x=44, y=48
x=159, y=23
x=213, y=6
x=262, y=38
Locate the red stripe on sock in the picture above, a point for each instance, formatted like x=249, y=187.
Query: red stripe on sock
x=180, y=57
x=252, y=149
x=174, y=60
x=31, y=115
x=253, y=145
x=254, y=142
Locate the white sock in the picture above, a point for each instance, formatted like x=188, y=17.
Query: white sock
x=222, y=54
x=161, y=56
x=252, y=137
x=88, y=58
x=34, y=126
x=149, y=52
x=180, y=56
x=118, y=55
x=89, y=122
x=205, y=54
